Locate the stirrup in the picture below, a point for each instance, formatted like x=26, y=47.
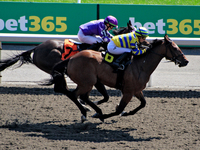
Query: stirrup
x=121, y=67
x=115, y=65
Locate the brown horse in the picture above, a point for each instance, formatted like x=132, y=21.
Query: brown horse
x=47, y=54
x=87, y=68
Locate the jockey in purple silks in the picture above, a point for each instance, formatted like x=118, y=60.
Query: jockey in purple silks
x=97, y=30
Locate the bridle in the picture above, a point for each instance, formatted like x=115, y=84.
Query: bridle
x=174, y=57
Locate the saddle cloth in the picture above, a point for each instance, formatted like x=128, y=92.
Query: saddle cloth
x=70, y=49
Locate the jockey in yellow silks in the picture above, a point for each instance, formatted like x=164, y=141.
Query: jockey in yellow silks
x=126, y=43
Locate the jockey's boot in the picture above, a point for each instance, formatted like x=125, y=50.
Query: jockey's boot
x=117, y=63
x=93, y=46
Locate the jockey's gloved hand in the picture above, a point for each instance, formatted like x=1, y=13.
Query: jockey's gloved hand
x=137, y=51
x=106, y=39
x=148, y=48
x=143, y=46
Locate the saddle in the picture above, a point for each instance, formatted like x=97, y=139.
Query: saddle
x=109, y=58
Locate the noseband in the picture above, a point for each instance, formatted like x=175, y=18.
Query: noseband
x=174, y=57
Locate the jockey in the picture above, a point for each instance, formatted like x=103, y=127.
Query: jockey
x=126, y=43
x=88, y=32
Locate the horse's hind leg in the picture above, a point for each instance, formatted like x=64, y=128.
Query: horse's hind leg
x=61, y=87
x=101, y=88
x=85, y=98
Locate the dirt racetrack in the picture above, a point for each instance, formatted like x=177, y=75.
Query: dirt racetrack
x=34, y=117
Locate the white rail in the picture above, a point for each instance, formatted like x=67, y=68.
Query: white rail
x=180, y=41
x=12, y=37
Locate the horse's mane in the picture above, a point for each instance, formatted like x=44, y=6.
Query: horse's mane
x=156, y=43
x=122, y=30
x=153, y=44
x=119, y=30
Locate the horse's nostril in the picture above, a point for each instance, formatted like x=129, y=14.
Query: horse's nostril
x=186, y=62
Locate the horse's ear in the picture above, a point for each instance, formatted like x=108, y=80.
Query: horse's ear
x=167, y=38
x=130, y=23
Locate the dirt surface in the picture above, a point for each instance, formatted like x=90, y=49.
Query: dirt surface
x=34, y=117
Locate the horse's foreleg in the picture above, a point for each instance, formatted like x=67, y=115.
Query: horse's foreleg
x=101, y=88
x=140, y=96
x=124, y=101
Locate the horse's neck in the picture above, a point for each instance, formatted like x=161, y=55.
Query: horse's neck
x=147, y=64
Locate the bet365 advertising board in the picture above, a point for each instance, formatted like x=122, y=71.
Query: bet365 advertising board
x=65, y=18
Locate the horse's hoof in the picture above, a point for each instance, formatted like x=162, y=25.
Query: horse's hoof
x=124, y=113
x=97, y=115
x=83, y=119
x=116, y=107
x=96, y=102
x=101, y=119
x=86, y=108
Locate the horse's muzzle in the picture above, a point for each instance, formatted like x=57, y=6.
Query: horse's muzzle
x=183, y=63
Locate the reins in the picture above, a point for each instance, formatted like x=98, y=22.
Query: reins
x=174, y=57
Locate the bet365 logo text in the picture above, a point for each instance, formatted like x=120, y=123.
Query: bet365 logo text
x=172, y=26
x=34, y=24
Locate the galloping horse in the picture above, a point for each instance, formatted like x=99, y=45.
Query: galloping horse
x=47, y=54
x=87, y=67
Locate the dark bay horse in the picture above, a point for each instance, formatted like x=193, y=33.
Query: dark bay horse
x=87, y=67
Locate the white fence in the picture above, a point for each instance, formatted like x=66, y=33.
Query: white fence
x=8, y=37
x=181, y=41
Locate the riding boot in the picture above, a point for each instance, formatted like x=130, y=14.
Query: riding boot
x=117, y=63
x=94, y=46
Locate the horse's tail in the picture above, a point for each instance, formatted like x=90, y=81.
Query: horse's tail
x=24, y=57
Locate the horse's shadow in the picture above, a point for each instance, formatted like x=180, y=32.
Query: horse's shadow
x=75, y=131
x=94, y=92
